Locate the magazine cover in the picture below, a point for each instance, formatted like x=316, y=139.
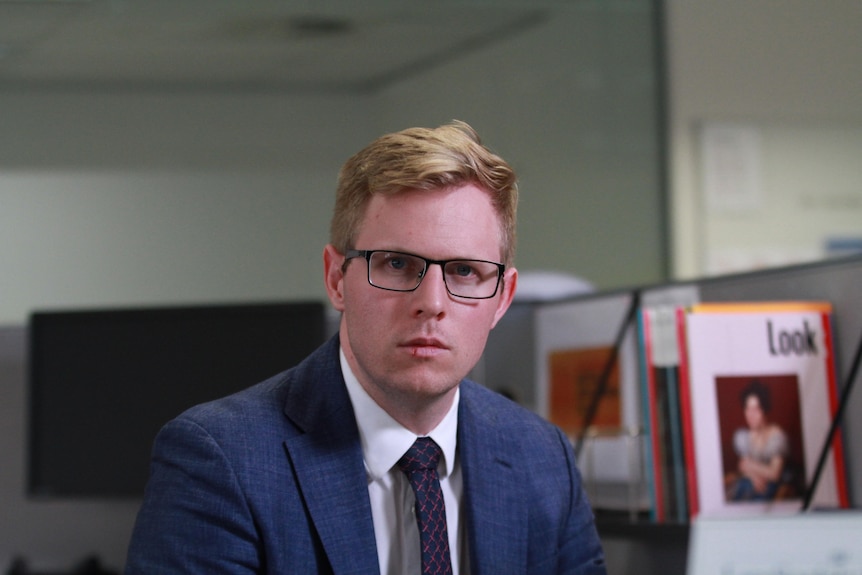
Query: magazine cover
x=762, y=392
x=575, y=341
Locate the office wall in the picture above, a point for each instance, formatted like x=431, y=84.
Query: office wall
x=113, y=198
x=790, y=71
x=97, y=239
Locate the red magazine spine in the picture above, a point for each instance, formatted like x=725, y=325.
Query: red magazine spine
x=685, y=414
x=837, y=443
x=655, y=439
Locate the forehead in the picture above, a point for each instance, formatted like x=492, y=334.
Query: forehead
x=453, y=222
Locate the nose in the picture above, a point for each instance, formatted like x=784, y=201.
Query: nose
x=431, y=295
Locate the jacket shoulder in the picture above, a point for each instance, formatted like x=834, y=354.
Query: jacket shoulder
x=294, y=390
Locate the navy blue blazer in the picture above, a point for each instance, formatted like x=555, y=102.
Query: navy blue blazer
x=272, y=480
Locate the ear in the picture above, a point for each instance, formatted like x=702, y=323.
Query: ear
x=508, y=285
x=333, y=276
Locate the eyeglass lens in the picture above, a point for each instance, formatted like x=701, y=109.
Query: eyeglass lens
x=404, y=272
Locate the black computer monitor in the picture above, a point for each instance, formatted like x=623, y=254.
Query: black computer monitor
x=102, y=382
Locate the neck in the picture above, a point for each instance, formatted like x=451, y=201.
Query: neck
x=420, y=415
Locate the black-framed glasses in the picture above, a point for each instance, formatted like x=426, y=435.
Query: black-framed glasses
x=399, y=271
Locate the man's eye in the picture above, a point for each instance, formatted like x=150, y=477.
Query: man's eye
x=462, y=269
x=396, y=263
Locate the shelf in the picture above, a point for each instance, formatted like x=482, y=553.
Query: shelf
x=620, y=524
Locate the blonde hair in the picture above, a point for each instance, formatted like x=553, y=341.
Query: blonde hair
x=423, y=159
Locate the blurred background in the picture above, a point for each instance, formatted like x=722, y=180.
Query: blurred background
x=186, y=151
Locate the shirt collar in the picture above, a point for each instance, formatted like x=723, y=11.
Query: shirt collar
x=389, y=438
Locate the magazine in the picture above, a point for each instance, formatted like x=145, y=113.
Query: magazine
x=760, y=379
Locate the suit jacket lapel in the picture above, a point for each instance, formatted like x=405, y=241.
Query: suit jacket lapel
x=496, y=517
x=327, y=459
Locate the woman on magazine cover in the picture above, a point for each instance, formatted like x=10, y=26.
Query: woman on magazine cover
x=762, y=447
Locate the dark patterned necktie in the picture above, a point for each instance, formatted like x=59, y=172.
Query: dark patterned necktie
x=420, y=466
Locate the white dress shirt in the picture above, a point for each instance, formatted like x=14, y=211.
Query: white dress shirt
x=384, y=441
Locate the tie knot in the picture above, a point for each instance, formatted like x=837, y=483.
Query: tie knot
x=424, y=454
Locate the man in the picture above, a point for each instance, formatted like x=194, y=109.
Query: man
x=313, y=470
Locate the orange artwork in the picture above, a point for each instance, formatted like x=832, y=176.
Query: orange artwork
x=574, y=378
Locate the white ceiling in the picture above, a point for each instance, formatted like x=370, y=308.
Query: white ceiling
x=321, y=46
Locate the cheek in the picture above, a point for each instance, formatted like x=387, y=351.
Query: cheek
x=367, y=316
x=474, y=334
x=366, y=332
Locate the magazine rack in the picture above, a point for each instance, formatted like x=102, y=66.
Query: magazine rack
x=629, y=530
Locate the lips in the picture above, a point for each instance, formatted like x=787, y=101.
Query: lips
x=425, y=346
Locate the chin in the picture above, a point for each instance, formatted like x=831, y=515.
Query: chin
x=432, y=386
